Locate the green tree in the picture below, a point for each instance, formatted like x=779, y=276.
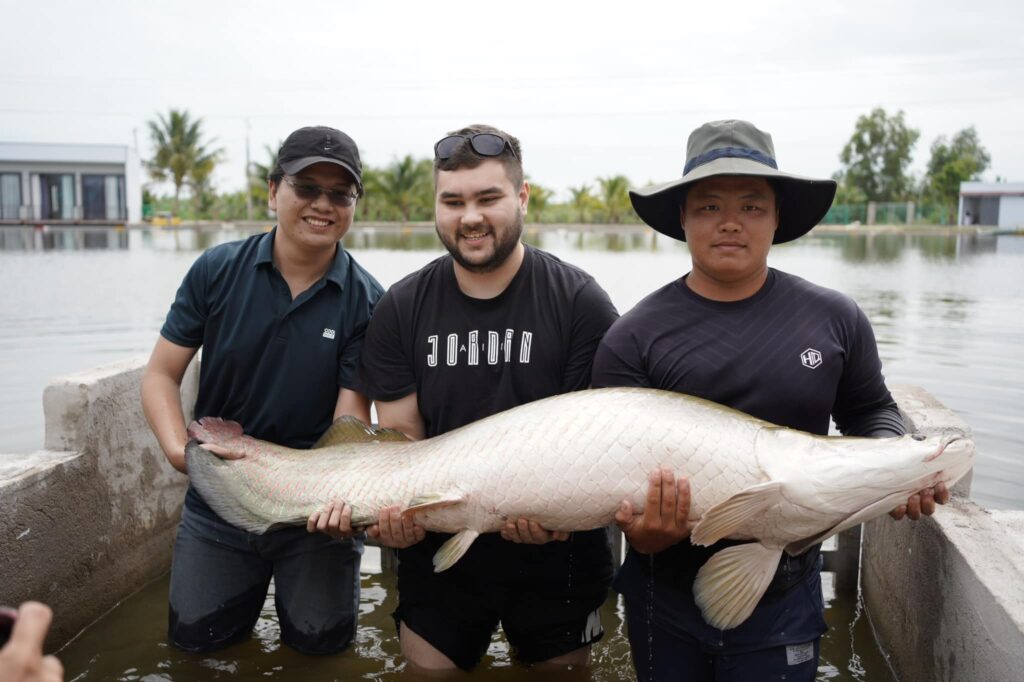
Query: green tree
x=876, y=158
x=407, y=186
x=614, y=197
x=179, y=152
x=582, y=202
x=958, y=160
x=258, y=174
x=540, y=197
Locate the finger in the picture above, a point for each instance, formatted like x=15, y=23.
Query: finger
x=668, y=495
x=538, y=533
x=928, y=502
x=408, y=529
x=682, y=509
x=345, y=520
x=624, y=515
x=31, y=626
x=223, y=452
x=941, y=493
x=914, y=507
x=53, y=668
x=560, y=535
x=311, y=523
x=899, y=512
x=653, y=493
x=373, y=531
x=523, y=530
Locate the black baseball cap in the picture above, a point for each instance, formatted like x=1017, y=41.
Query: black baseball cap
x=320, y=144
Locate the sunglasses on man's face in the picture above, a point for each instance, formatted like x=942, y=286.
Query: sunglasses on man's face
x=484, y=144
x=307, y=191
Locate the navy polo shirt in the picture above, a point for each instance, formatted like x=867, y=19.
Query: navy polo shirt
x=273, y=364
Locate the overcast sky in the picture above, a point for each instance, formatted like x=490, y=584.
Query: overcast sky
x=590, y=88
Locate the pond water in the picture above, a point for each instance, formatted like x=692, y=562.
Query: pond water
x=948, y=312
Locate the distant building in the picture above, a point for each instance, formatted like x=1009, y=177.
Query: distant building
x=992, y=203
x=68, y=183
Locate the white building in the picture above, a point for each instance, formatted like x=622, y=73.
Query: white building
x=69, y=183
x=992, y=203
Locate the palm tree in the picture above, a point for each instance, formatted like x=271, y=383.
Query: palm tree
x=179, y=152
x=614, y=196
x=539, y=199
x=406, y=185
x=258, y=174
x=582, y=201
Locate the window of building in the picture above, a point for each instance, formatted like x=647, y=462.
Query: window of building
x=58, y=196
x=103, y=197
x=10, y=196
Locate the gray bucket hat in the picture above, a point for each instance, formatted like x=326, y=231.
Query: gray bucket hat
x=735, y=148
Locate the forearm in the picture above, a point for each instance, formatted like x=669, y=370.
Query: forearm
x=884, y=422
x=161, y=402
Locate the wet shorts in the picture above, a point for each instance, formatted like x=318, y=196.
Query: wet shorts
x=546, y=597
x=220, y=575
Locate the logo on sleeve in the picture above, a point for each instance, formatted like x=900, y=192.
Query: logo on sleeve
x=328, y=333
x=810, y=358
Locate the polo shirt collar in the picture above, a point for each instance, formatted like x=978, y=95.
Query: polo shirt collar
x=337, y=273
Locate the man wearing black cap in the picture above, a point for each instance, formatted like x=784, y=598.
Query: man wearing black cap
x=491, y=325
x=762, y=341
x=281, y=318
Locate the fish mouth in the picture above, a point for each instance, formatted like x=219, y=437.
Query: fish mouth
x=945, y=443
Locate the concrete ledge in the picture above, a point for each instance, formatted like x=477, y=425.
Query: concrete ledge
x=89, y=520
x=945, y=595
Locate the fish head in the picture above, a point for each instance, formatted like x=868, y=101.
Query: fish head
x=841, y=476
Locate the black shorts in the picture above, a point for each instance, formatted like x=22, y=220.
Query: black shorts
x=546, y=597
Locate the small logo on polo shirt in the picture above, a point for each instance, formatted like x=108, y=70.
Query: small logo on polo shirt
x=810, y=358
x=328, y=333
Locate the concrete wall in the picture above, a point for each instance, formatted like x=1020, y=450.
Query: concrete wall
x=90, y=519
x=945, y=595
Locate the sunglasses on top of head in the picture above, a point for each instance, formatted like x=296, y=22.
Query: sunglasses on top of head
x=484, y=144
x=307, y=191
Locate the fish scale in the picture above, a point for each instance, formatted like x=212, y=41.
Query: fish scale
x=568, y=461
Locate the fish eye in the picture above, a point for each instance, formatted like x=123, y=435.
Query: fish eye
x=917, y=436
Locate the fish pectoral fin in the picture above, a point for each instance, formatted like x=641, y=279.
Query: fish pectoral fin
x=732, y=582
x=431, y=501
x=349, y=429
x=723, y=519
x=454, y=549
x=882, y=506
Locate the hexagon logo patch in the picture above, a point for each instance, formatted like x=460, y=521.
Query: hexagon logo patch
x=810, y=358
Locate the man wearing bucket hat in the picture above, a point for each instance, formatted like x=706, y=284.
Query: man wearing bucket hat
x=281, y=318
x=760, y=340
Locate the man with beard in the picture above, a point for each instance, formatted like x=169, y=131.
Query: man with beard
x=492, y=325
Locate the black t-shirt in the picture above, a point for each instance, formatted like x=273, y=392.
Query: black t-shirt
x=794, y=354
x=469, y=358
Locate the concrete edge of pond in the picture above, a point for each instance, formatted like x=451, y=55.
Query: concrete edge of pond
x=91, y=519
x=945, y=595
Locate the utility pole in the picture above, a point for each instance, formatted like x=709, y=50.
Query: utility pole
x=248, y=175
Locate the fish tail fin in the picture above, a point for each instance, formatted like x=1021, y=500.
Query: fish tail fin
x=214, y=430
x=209, y=474
x=732, y=582
x=454, y=549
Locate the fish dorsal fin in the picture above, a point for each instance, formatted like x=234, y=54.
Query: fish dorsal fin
x=453, y=550
x=732, y=582
x=349, y=429
x=728, y=516
x=882, y=506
